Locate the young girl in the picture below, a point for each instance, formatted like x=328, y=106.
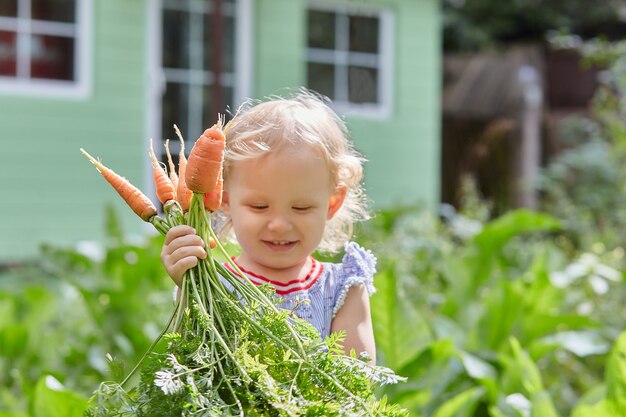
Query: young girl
x=292, y=184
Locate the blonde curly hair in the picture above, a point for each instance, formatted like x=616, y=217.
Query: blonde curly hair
x=259, y=127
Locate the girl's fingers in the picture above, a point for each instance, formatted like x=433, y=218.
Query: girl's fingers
x=187, y=251
x=181, y=260
x=183, y=242
x=182, y=266
x=179, y=236
x=181, y=250
x=177, y=232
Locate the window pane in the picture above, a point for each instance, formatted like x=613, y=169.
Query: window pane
x=363, y=85
x=209, y=115
x=175, y=39
x=8, y=8
x=321, y=78
x=174, y=111
x=364, y=34
x=8, y=53
x=52, y=57
x=227, y=34
x=55, y=10
x=321, y=30
x=229, y=44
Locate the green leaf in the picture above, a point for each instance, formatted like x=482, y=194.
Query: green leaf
x=542, y=405
x=581, y=343
x=521, y=372
x=8, y=308
x=502, y=311
x=497, y=233
x=54, y=400
x=401, y=332
x=495, y=411
x=458, y=272
x=598, y=409
x=539, y=325
x=13, y=340
x=616, y=374
x=461, y=405
x=481, y=371
x=476, y=367
x=431, y=374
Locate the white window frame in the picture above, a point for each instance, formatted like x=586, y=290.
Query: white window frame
x=239, y=80
x=82, y=30
x=341, y=58
x=242, y=79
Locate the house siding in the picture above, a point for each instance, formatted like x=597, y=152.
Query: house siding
x=278, y=51
x=403, y=149
x=56, y=195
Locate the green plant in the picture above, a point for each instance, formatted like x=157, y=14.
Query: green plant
x=584, y=186
x=495, y=319
x=479, y=323
x=479, y=24
x=63, y=314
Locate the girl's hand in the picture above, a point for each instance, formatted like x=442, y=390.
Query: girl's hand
x=181, y=250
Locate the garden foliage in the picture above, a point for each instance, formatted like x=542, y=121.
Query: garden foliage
x=516, y=316
x=484, y=319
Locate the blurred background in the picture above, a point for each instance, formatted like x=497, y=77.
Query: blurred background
x=495, y=134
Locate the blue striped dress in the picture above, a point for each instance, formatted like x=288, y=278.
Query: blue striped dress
x=319, y=295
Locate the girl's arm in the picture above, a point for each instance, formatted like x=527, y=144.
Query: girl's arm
x=355, y=320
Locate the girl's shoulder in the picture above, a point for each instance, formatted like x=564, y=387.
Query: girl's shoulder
x=357, y=267
x=356, y=262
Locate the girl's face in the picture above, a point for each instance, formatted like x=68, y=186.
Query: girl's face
x=279, y=204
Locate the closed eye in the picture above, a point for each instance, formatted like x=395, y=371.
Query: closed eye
x=302, y=208
x=258, y=206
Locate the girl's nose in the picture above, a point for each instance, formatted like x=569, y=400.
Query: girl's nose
x=279, y=224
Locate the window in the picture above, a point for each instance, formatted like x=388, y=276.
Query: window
x=349, y=58
x=198, y=64
x=43, y=46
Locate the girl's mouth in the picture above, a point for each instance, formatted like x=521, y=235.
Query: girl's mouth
x=279, y=245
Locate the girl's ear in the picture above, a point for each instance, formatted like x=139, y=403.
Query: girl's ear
x=335, y=202
x=225, y=206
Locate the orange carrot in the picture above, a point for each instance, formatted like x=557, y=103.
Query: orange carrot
x=138, y=202
x=173, y=176
x=205, y=160
x=165, y=190
x=183, y=194
x=213, y=199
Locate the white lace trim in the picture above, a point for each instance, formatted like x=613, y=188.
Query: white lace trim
x=359, y=265
x=351, y=282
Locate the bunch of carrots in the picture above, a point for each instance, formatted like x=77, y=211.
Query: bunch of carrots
x=230, y=351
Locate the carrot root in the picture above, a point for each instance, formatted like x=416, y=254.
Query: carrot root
x=136, y=200
x=164, y=188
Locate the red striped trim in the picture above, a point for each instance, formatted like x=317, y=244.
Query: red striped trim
x=281, y=287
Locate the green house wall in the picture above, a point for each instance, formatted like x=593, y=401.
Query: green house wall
x=403, y=149
x=52, y=194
